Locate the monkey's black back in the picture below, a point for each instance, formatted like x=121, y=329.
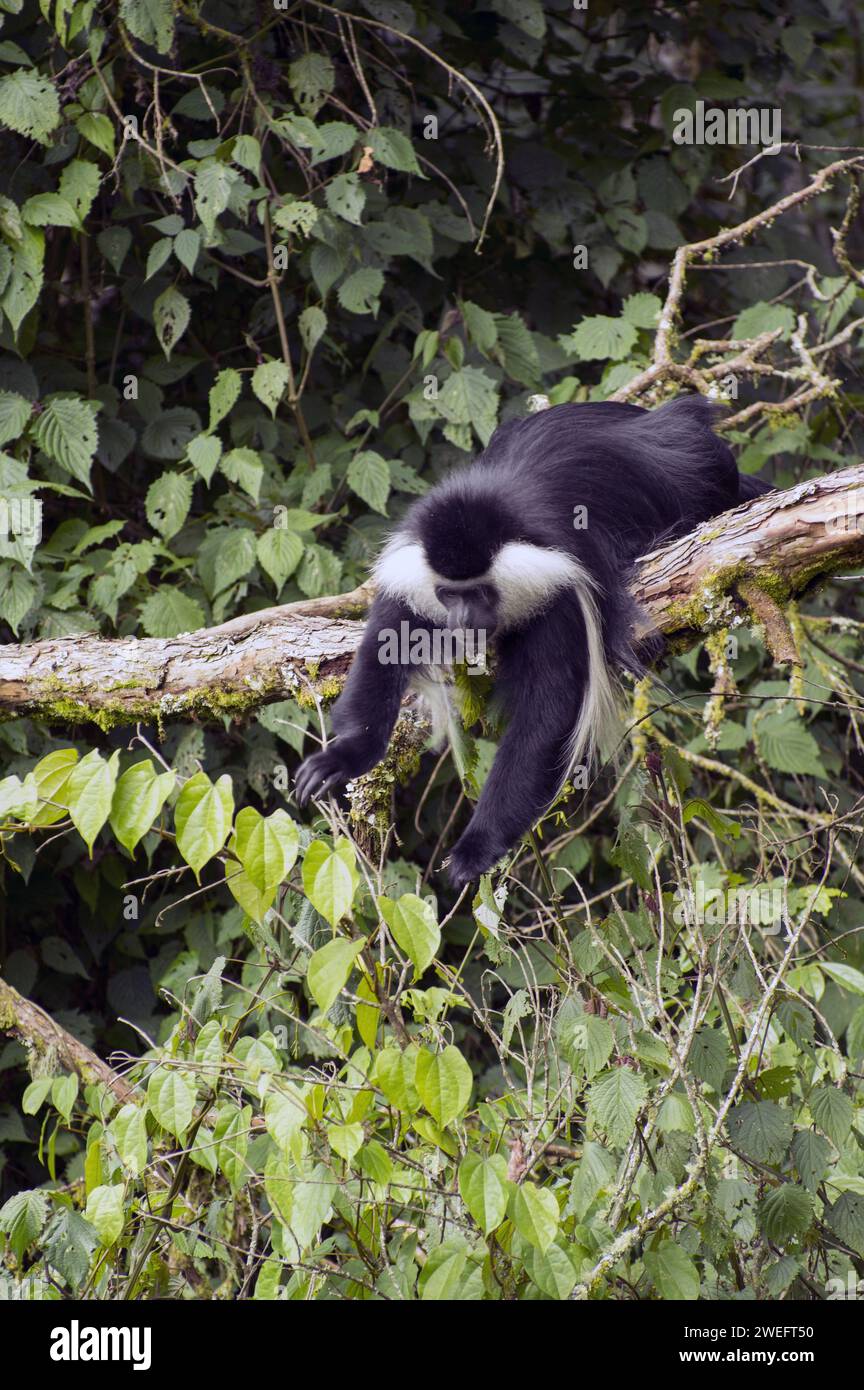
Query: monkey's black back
x=641, y=477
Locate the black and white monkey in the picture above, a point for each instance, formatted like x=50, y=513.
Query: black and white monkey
x=496, y=547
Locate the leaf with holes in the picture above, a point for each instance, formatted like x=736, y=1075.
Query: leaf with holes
x=171, y=314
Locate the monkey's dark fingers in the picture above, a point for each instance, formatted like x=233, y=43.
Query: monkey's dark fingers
x=316, y=776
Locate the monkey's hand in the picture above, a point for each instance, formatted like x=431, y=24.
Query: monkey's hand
x=332, y=767
x=474, y=854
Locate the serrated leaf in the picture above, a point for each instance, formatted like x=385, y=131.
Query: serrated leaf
x=15, y=413
x=29, y=105
x=66, y=431
x=673, y=1273
x=167, y=503
x=832, y=1111
x=785, y=1212
x=279, y=553
x=600, y=338
x=151, y=21
x=98, y=130
x=346, y=197
x=169, y=611
x=187, y=247
x=171, y=315
x=369, y=478
x=269, y=383
x=312, y=324
x=393, y=149
x=615, y=1101
x=204, y=453
x=223, y=395
x=244, y=467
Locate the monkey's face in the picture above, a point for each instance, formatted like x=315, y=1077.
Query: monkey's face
x=471, y=605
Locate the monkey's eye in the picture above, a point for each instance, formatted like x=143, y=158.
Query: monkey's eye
x=449, y=596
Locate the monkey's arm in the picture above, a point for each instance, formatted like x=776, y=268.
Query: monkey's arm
x=543, y=671
x=366, y=711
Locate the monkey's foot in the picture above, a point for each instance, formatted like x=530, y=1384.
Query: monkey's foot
x=474, y=854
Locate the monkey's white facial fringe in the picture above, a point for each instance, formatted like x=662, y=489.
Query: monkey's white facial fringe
x=528, y=577
x=404, y=572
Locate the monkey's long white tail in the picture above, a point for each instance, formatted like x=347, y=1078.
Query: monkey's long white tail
x=598, y=727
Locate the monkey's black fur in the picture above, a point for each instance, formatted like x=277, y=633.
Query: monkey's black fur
x=463, y=557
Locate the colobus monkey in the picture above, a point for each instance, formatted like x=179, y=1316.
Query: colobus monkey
x=498, y=547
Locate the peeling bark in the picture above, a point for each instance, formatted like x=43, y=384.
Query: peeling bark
x=781, y=543
x=56, y=1049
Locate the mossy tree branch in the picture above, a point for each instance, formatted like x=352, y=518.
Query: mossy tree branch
x=781, y=544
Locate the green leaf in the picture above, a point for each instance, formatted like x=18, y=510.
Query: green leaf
x=346, y=197
x=151, y=21
x=129, y=1132
x=15, y=413
x=516, y=349
x=334, y=138
x=49, y=210
x=269, y=383
x=832, y=1111
x=79, y=184
x=787, y=745
x=157, y=256
x=246, y=151
x=369, y=479
x=18, y=594
x=414, y=927
x=585, y=1041
x=845, y=975
x=311, y=78
x=329, y=968
x=187, y=248
x=444, y=1081
x=345, y=1140
x=266, y=847
x=29, y=105
x=615, y=1100
x=480, y=325
x=64, y=1093
x=138, y=798
x=244, y=467
x=105, y=1212
x=204, y=453
x=66, y=431
x=98, y=130
x=202, y=818
x=484, y=1189
x=223, y=395
x=279, y=553
x=224, y=556
x=642, y=310
x=785, y=1212
x=24, y=284
x=89, y=793
x=360, y=292
x=213, y=184
x=600, y=338
x=762, y=1129
x=171, y=1099
x=312, y=324
x=763, y=318
x=393, y=149
x=167, y=503
x=330, y=879
x=527, y=15
x=534, y=1213
x=673, y=1273
x=168, y=612
x=811, y=1154
x=171, y=315
x=114, y=243
x=470, y=397
x=22, y=1218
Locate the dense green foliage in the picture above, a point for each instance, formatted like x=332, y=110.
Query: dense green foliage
x=259, y=287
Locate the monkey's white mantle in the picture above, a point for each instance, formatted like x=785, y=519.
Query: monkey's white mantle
x=767, y=551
